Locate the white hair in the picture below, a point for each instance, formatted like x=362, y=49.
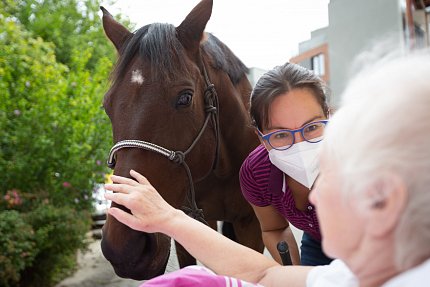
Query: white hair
x=383, y=127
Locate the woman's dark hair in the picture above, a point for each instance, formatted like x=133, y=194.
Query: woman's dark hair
x=281, y=80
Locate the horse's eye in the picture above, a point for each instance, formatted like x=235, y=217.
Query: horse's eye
x=184, y=99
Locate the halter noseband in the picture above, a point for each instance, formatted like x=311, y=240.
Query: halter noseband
x=211, y=110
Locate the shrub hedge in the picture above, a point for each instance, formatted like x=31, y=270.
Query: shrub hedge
x=54, y=135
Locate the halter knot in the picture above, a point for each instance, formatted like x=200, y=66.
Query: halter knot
x=210, y=93
x=196, y=213
x=210, y=89
x=179, y=157
x=210, y=109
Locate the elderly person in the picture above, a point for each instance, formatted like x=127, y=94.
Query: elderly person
x=372, y=196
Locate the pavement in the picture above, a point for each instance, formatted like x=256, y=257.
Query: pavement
x=95, y=271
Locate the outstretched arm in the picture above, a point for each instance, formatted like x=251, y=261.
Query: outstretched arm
x=151, y=213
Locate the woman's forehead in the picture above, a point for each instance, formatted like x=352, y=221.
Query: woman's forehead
x=293, y=110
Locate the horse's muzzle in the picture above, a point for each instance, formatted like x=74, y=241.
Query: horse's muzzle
x=141, y=256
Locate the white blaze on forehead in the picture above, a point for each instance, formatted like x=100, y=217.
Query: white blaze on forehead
x=136, y=77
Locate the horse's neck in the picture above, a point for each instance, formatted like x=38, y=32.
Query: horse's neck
x=237, y=137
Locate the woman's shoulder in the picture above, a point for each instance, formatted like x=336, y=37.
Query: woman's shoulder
x=254, y=176
x=258, y=158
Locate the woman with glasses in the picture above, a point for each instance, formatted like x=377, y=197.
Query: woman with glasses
x=289, y=111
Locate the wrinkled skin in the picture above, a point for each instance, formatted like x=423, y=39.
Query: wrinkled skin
x=170, y=111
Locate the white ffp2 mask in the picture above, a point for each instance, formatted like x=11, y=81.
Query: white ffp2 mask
x=299, y=162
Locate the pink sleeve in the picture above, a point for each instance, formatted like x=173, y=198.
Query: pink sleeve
x=195, y=276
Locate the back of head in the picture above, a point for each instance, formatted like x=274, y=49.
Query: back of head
x=383, y=127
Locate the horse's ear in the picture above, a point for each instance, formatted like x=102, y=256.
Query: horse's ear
x=190, y=32
x=116, y=32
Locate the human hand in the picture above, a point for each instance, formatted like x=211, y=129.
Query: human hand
x=149, y=211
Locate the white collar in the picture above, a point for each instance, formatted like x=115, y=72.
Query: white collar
x=416, y=276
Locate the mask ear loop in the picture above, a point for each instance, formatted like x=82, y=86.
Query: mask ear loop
x=313, y=184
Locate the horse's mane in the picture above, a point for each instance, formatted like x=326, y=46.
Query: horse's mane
x=158, y=42
x=225, y=59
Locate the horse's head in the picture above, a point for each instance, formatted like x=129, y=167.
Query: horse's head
x=157, y=98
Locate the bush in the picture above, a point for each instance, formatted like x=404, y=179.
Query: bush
x=54, y=139
x=58, y=233
x=39, y=247
x=17, y=245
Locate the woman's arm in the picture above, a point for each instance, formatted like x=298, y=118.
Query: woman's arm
x=275, y=228
x=151, y=213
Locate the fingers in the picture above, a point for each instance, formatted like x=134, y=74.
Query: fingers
x=118, y=198
x=125, y=218
x=121, y=179
x=140, y=178
x=125, y=185
x=122, y=188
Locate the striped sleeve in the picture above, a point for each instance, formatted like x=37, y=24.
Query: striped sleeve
x=254, y=177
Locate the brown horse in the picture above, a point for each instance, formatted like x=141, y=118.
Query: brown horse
x=178, y=106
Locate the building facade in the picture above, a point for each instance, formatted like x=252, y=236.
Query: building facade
x=356, y=26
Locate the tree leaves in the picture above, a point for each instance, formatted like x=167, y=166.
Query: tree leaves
x=50, y=117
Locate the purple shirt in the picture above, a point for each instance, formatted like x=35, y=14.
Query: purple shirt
x=261, y=183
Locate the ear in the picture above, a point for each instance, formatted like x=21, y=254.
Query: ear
x=116, y=32
x=190, y=32
x=386, y=202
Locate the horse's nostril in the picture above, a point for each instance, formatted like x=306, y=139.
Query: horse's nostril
x=142, y=268
x=138, y=255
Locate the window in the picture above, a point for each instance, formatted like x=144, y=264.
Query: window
x=318, y=64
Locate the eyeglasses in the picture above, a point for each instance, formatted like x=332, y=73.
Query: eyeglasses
x=283, y=139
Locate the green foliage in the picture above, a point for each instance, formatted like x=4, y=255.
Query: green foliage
x=69, y=24
x=18, y=248
x=54, y=134
x=39, y=247
x=58, y=232
x=54, y=68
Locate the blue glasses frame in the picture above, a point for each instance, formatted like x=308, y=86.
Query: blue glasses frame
x=266, y=137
